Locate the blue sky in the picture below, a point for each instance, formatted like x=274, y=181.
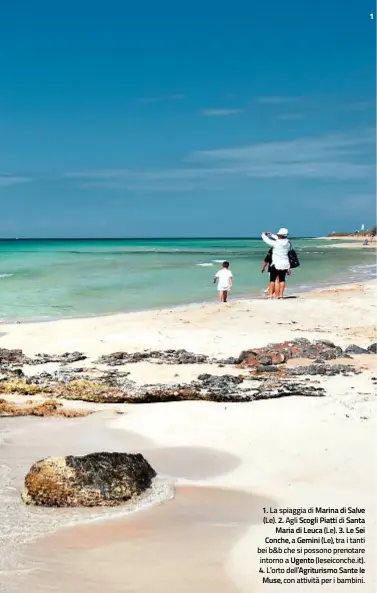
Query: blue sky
x=204, y=119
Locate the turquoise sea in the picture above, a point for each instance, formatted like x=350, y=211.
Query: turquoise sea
x=47, y=279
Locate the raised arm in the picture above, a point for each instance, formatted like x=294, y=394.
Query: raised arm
x=269, y=239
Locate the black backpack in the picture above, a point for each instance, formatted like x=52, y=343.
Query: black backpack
x=293, y=259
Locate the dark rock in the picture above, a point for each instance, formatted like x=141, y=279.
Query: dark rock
x=225, y=388
x=98, y=479
x=319, y=361
x=267, y=369
x=66, y=358
x=215, y=380
x=353, y=349
x=8, y=357
x=229, y=361
x=325, y=343
x=283, y=351
x=373, y=348
x=165, y=356
x=290, y=389
x=111, y=386
x=11, y=372
x=265, y=360
x=322, y=369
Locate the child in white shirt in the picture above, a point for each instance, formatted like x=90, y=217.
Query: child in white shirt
x=224, y=279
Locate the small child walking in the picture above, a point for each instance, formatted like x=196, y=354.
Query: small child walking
x=224, y=279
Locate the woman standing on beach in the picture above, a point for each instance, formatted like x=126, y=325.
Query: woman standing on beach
x=280, y=261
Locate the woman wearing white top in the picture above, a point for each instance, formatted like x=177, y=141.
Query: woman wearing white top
x=280, y=261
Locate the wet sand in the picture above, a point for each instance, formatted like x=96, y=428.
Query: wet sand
x=180, y=546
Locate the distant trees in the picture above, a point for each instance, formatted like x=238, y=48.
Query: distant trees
x=367, y=233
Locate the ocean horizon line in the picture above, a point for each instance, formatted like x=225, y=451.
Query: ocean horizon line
x=217, y=238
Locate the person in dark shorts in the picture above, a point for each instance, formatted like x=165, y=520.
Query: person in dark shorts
x=280, y=261
x=267, y=263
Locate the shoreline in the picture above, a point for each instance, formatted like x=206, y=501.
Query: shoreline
x=192, y=327
x=258, y=296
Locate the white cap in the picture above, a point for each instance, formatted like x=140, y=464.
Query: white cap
x=283, y=232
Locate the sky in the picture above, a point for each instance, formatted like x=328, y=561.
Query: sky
x=167, y=119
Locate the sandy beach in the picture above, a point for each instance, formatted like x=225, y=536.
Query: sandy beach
x=350, y=241
x=226, y=461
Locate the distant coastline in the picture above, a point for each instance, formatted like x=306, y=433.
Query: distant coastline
x=356, y=235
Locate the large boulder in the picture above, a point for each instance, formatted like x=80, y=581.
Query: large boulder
x=97, y=479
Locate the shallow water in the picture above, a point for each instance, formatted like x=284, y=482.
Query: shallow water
x=49, y=279
x=180, y=546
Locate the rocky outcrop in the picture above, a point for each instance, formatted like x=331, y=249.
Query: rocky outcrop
x=225, y=388
x=88, y=391
x=98, y=479
x=328, y=370
x=276, y=354
x=46, y=408
x=372, y=349
x=17, y=357
x=111, y=388
x=163, y=356
x=11, y=357
x=19, y=386
x=354, y=349
x=66, y=358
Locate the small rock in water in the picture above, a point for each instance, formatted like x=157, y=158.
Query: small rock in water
x=97, y=479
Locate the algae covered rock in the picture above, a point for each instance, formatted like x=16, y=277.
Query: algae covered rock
x=97, y=479
x=19, y=386
x=46, y=408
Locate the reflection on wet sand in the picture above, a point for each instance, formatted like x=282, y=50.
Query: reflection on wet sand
x=180, y=546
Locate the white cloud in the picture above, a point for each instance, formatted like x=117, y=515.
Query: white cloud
x=328, y=157
x=180, y=179
x=220, y=112
x=8, y=180
x=334, y=157
x=277, y=100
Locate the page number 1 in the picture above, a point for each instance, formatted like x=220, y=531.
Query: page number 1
x=371, y=16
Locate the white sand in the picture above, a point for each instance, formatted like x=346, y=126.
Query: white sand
x=296, y=451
